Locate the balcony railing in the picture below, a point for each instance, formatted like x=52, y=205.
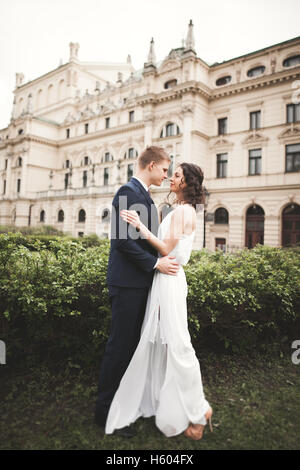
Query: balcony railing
x=108, y=189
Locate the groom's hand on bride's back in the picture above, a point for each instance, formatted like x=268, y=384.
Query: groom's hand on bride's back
x=168, y=265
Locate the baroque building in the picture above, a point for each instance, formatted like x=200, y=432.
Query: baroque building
x=75, y=134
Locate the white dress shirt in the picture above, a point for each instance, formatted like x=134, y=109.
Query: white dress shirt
x=146, y=189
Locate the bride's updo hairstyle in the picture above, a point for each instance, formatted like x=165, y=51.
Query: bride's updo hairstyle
x=194, y=192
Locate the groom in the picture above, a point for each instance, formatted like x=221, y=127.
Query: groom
x=131, y=266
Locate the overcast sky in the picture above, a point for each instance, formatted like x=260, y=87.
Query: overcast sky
x=35, y=34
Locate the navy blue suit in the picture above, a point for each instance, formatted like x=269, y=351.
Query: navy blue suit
x=129, y=276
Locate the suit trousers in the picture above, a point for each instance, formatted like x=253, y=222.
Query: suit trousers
x=128, y=307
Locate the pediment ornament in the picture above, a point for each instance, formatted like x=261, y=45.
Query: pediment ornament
x=290, y=132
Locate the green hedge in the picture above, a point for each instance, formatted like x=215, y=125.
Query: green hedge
x=54, y=299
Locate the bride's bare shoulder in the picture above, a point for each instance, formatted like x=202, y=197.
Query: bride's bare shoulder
x=186, y=214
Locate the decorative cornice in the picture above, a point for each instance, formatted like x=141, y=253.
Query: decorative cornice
x=221, y=143
x=290, y=132
x=254, y=138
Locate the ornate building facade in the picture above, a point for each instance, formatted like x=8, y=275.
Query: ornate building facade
x=75, y=134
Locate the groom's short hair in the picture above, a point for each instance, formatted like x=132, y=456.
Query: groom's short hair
x=152, y=154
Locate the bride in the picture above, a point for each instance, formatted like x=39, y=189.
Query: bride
x=163, y=378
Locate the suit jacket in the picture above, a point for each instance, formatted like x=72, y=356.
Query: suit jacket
x=132, y=259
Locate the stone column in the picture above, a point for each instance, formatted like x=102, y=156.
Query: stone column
x=148, y=122
x=187, y=111
x=8, y=174
x=272, y=230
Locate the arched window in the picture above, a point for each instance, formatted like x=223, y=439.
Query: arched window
x=221, y=216
x=105, y=217
x=291, y=225
x=108, y=157
x=131, y=153
x=169, y=130
x=42, y=216
x=256, y=71
x=61, y=216
x=20, y=161
x=170, y=84
x=292, y=61
x=255, y=222
x=86, y=161
x=223, y=80
x=81, y=215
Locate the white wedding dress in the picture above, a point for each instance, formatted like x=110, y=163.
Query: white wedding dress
x=163, y=377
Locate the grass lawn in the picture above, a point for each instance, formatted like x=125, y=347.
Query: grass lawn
x=255, y=400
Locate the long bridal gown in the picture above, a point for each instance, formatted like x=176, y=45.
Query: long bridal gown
x=163, y=377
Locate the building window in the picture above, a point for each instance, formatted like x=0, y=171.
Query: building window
x=222, y=165
x=18, y=185
x=108, y=157
x=20, y=161
x=256, y=71
x=131, y=116
x=220, y=244
x=222, y=126
x=221, y=216
x=293, y=113
x=61, y=216
x=292, y=61
x=20, y=131
x=6, y=162
x=4, y=186
x=170, y=84
x=255, y=219
x=66, y=180
x=170, y=130
x=42, y=216
x=129, y=171
x=84, y=179
x=291, y=225
x=255, y=162
x=86, y=161
x=81, y=215
x=223, y=80
x=132, y=153
x=105, y=217
x=255, y=120
x=292, y=161
x=171, y=166
x=107, y=123
x=68, y=133
x=106, y=176
x=86, y=128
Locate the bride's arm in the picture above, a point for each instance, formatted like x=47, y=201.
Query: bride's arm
x=182, y=222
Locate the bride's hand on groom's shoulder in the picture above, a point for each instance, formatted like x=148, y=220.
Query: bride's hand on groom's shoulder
x=168, y=265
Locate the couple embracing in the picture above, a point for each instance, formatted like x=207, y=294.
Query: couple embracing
x=149, y=367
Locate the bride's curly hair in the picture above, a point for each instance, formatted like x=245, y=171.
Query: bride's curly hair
x=194, y=192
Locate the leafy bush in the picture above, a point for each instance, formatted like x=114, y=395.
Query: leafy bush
x=54, y=299
x=245, y=299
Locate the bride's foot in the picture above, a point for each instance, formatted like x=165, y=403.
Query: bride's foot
x=195, y=431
